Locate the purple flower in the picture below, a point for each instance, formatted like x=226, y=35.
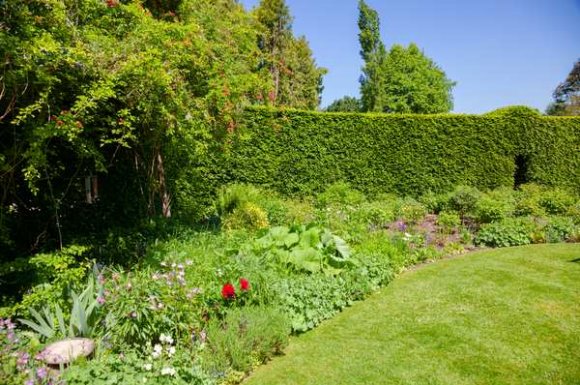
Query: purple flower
x=401, y=226
x=101, y=300
x=22, y=360
x=29, y=382
x=41, y=373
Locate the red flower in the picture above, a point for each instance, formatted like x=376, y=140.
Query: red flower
x=244, y=284
x=228, y=291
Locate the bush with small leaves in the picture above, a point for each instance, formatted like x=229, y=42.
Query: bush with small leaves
x=464, y=200
x=557, y=201
x=448, y=221
x=248, y=216
x=410, y=211
x=509, y=232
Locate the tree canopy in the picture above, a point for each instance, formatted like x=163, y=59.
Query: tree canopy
x=135, y=93
x=567, y=94
x=345, y=104
x=402, y=80
x=296, y=77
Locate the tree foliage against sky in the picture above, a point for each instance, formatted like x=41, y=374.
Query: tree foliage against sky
x=374, y=54
x=402, y=80
x=345, y=104
x=296, y=77
x=567, y=94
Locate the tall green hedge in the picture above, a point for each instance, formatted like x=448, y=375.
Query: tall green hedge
x=299, y=152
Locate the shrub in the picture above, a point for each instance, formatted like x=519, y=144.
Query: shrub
x=434, y=203
x=574, y=213
x=559, y=229
x=464, y=200
x=557, y=201
x=244, y=338
x=308, y=300
x=371, y=216
x=56, y=273
x=448, y=221
x=510, y=232
x=134, y=367
x=304, y=249
x=528, y=200
x=340, y=194
x=410, y=211
x=141, y=305
x=247, y=216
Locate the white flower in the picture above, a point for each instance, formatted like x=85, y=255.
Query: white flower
x=163, y=264
x=148, y=367
x=189, y=262
x=166, y=339
x=171, y=350
x=168, y=371
x=157, y=350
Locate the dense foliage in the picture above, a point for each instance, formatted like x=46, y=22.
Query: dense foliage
x=567, y=94
x=206, y=307
x=302, y=152
x=402, y=80
x=345, y=104
x=296, y=77
x=109, y=110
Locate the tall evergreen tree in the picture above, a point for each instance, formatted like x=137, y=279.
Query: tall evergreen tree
x=373, y=53
x=296, y=78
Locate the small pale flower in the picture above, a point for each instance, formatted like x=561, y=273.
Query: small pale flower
x=168, y=371
x=189, y=262
x=148, y=366
x=157, y=348
x=180, y=267
x=163, y=264
x=171, y=350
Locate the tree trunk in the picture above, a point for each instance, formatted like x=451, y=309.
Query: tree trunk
x=163, y=192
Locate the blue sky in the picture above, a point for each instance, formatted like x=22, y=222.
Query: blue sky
x=500, y=52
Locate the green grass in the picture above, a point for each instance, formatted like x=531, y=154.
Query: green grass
x=506, y=316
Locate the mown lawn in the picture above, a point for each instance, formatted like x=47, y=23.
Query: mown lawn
x=506, y=316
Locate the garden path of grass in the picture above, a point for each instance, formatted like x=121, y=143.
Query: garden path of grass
x=505, y=316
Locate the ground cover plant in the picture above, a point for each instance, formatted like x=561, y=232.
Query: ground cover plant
x=507, y=316
x=209, y=306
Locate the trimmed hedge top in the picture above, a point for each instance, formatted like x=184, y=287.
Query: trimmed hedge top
x=301, y=152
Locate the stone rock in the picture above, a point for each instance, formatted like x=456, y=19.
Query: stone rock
x=66, y=351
